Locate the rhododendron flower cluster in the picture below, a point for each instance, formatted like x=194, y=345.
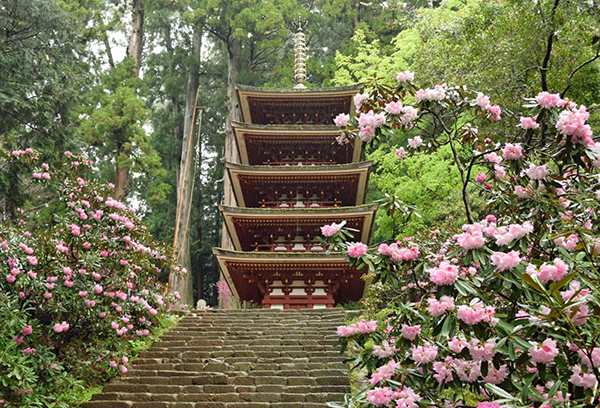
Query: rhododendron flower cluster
x=90, y=275
x=330, y=230
x=503, y=308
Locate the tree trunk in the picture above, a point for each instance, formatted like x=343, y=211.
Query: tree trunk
x=233, y=114
x=121, y=172
x=135, y=40
x=134, y=51
x=185, y=182
x=234, y=48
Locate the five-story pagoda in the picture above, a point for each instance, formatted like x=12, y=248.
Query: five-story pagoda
x=292, y=178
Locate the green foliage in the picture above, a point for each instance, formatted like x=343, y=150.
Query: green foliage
x=78, y=291
x=114, y=127
x=430, y=182
x=503, y=309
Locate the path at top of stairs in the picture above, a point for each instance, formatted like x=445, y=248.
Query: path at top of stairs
x=237, y=358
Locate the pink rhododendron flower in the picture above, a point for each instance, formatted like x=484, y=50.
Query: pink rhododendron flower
x=411, y=332
x=341, y=120
x=27, y=330
x=407, y=398
x=401, y=153
x=473, y=314
x=582, y=379
x=329, y=230
x=493, y=158
x=480, y=177
x=506, y=261
x=537, y=172
x=569, y=243
x=366, y=134
x=405, y=76
x=444, y=274
x=523, y=192
x=512, y=151
x=394, y=108
x=486, y=404
x=469, y=241
x=581, y=312
x=495, y=376
x=357, y=250
x=595, y=357
x=380, y=396
x=499, y=172
x=549, y=272
x=60, y=327
x=359, y=99
x=482, y=350
x=544, y=353
x=443, y=370
x=457, y=344
x=529, y=123
x=385, y=350
x=548, y=100
x=439, y=307
x=384, y=372
x=365, y=327
x=425, y=353
x=347, y=331
x=467, y=371
x=415, y=142
x=494, y=111
x=482, y=100
x=32, y=260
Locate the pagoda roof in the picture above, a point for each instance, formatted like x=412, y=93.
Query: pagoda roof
x=245, y=271
x=243, y=177
x=359, y=217
x=295, y=106
x=250, y=136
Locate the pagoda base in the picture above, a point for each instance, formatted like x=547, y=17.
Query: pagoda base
x=286, y=302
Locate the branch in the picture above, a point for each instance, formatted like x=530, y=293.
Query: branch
x=583, y=64
x=459, y=165
x=544, y=67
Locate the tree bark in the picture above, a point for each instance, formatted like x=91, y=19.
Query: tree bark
x=233, y=114
x=185, y=183
x=135, y=40
x=134, y=51
x=121, y=172
x=234, y=48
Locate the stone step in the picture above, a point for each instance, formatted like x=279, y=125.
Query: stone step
x=242, y=359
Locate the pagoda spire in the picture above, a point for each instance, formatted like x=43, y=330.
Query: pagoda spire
x=300, y=55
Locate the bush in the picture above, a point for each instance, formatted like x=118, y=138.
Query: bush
x=507, y=310
x=75, y=292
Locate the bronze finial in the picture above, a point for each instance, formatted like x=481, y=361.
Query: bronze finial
x=299, y=54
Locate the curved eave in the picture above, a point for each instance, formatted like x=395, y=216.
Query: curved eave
x=272, y=260
x=287, y=133
x=297, y=95
x=320, y=216
x=235, y=171
x=287, y=92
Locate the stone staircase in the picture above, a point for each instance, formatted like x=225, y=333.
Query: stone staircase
x=237, y=358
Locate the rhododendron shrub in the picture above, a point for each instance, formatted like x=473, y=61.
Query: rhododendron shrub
x=506, y=310
x=73, y=291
